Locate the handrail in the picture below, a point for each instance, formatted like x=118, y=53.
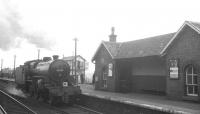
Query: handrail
x=21, y=104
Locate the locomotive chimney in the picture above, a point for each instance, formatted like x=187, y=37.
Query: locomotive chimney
x=55, y=57
x=112, y=37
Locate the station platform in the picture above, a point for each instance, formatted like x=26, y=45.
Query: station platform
x=148, y=101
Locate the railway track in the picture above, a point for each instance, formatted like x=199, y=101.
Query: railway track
x=60, y=109
x=40, y=107
x=88, y=109
x=10, y=105
x=76, y=109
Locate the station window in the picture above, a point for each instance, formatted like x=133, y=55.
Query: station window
x=110, y=69
x=105, y=74
x=191, y=81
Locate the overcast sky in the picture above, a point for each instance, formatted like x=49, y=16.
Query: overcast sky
x=51, y=25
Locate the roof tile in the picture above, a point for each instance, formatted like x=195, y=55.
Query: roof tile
x=112, y=47
x=139, y=48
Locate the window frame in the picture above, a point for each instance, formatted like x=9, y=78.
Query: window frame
x=105, y=74
x=110, y=69
x=192, y=84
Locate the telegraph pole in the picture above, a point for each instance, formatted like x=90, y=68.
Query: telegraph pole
x=38, y=54
x=14, y=66
x=76, y=77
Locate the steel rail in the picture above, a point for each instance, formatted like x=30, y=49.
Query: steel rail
x=87, y=109
x=63, y=111
x=18, y=102
x=2, y=109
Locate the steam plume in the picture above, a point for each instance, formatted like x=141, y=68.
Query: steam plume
x=12, y=32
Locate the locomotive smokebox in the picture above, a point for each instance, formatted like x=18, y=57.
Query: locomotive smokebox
x=55, y=57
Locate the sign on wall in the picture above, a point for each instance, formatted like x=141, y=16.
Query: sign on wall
x=174, y=68
x=110, y=67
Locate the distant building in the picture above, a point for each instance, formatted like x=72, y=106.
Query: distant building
x=81, y=65
x=167, y=64
x=7, y=72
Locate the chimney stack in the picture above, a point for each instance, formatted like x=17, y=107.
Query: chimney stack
x=112, y=37
x=55, y=57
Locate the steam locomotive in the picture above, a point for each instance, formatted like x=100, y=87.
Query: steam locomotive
x=49, y=80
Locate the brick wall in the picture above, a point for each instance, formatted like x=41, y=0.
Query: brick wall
x=145, y=74
x=149, y=84
x=103, y=58
x=186, y=48
x=149, y=74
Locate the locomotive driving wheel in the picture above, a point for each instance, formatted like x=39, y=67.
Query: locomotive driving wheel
x=55, y=100
x=45, y=95
x=52, y=100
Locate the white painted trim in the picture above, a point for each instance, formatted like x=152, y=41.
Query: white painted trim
x=164, y=49
x=180, y=29
x=102, y=43
x=97, y=51
x=108, y=50
x=194, y=27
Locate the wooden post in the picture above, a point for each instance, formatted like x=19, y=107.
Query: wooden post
x=14, y=66
x=84, y=72
x=38, y=54
x=76, y=77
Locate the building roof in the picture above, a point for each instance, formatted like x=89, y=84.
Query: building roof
x=144, y=47
x=152, y=46
x=72, y=58
x=194, y=25
x=112, y=47
x=137, y=48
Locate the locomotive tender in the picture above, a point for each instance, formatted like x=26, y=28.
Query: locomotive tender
x=48, y=79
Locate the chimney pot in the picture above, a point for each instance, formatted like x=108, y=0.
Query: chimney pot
x=112, y=37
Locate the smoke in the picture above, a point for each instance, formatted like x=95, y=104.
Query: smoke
x=12, y=89
x=12, y=32
x=39, y=40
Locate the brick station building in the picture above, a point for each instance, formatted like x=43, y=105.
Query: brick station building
x=167, y=64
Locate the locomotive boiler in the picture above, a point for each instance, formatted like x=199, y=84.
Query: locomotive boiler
x=50, y=80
